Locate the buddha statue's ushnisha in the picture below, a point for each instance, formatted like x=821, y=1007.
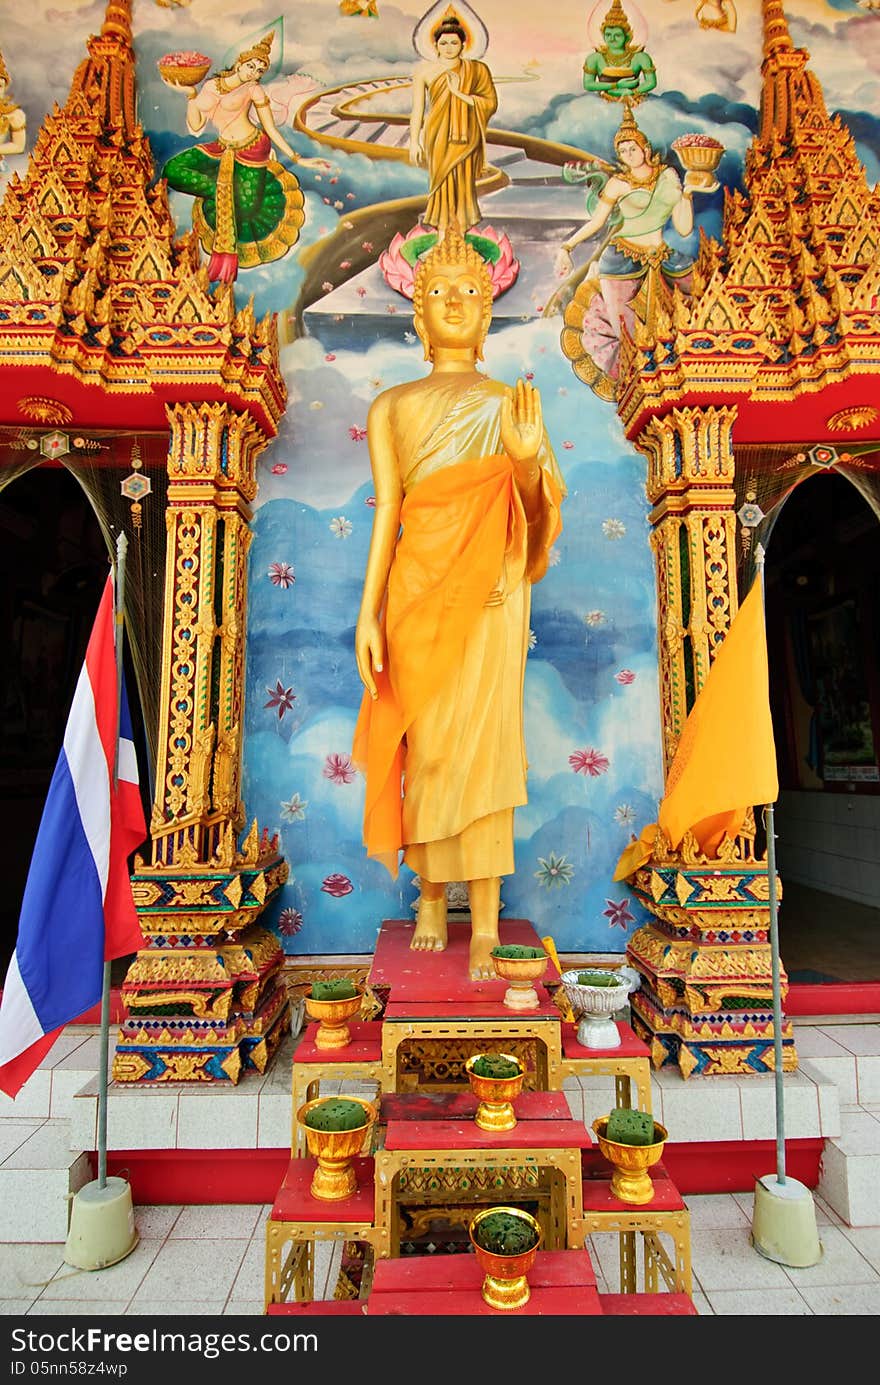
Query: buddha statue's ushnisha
x=468, y=496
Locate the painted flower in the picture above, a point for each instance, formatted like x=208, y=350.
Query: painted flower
x=594, y=618
x=279, y=469
x=371, y=501
x=366, y=245
x=339, y=768
x=390, y=309
x=338, y=206
x=410, y=338
x=618, y=914
x=341, y=527
x=398, y=265
x=327, y=286
x=290, y=921
x=349, y=197
x=331, y=356
x=589, y=761
x=345, y=264
x=357, y=434
x=337, y=885
x=625, y=814
x=568, y=444
x=361, y=291
x=316, y=404
x=280, y=697
x=293, y=809
x=553, y=557
x=613, y=528
x=533, y=639
x=281, y=575
x=554, y=871
x=624, y=677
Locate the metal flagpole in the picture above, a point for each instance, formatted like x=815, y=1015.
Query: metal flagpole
x=102, y=1228
x=119, y=597
x=769, y=823
x=784, y=1218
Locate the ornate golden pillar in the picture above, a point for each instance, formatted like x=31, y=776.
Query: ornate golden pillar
x=706, y=998
x=205, y=996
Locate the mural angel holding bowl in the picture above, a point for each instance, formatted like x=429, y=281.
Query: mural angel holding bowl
x=635, y=203
x=249, y=209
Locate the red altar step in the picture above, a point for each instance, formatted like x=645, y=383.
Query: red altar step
x=561, y=1283
x=418, y=978
x=365, y=1045
x=462, y=1106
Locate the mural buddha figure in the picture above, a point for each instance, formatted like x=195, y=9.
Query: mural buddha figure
x=619, y=68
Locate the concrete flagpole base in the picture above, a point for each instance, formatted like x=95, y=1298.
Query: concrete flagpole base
x=102, y=1230
x=784, y=1222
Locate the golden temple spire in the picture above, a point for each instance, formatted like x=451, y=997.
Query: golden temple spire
x=106, y=77
x=789, y=90
x=777, y=39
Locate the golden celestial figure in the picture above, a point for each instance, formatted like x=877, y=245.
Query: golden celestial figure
x=468, y=496
x=13, y=121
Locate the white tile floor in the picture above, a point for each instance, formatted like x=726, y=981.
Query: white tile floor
x=209, y=1260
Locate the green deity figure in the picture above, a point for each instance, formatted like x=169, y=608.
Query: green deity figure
x=619, y=68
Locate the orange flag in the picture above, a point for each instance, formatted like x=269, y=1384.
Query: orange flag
x=726, y=758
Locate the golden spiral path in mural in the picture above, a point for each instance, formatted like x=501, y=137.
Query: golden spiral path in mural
x=360, y=118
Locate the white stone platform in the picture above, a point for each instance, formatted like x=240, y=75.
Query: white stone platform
x=46, y=1133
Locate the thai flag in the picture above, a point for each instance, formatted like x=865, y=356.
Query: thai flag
x=77, y=910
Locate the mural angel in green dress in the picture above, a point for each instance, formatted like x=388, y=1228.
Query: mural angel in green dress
x=249, y=209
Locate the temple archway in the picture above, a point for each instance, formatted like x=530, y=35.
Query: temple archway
x=53, y=566
x=822, y=576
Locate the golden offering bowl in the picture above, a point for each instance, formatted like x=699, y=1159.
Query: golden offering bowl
x=186, y=74
x=334, y=1178
x=495, y=1095
x=505, y=1285
x=630, y=1180
x=333, y=1017
x=520, y=972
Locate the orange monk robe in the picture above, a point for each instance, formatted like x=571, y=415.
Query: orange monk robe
x=442, y=746
x=455, y=142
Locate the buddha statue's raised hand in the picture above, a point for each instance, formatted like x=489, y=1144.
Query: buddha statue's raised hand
x=521, y=422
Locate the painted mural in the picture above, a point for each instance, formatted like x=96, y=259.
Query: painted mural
x=319, y=149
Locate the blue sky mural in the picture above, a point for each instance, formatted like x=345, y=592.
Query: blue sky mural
x=591, y=695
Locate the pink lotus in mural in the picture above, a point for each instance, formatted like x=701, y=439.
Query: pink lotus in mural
x=338, y=767
x=281, y=575
x=337, y=885
x=290, y=921
x=589, y=761
x=280, y=697
x=618, y=914
x=624, y=677
x=398, y=262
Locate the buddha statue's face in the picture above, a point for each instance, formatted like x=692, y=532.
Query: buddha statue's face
x=452, y=311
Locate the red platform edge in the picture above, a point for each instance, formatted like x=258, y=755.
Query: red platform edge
x=833, y=998
x=201, y=1177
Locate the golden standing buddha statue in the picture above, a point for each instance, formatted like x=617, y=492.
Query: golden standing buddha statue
x=468, y=496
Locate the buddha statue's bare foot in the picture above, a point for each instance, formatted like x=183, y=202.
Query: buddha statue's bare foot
x=481, y=965
x=484, y=898
x=430, y=934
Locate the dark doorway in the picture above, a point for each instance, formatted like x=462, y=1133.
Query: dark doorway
x=823, y=637
x=53, y=566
